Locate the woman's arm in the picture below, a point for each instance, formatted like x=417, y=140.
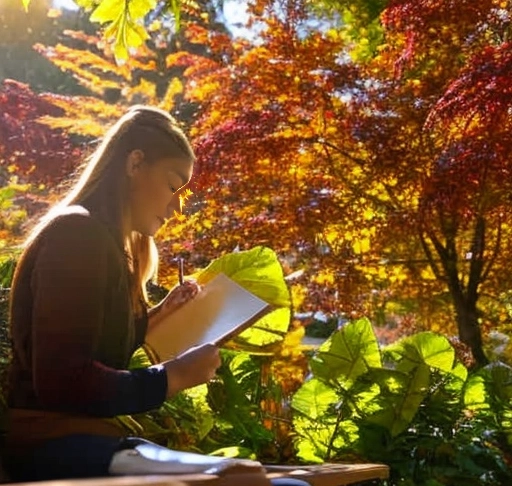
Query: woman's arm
x=154, y=314
x=69, y=285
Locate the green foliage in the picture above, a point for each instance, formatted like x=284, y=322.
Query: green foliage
x=488, y=394
x=259, y=271
x=359, y=23
x=6, y=273
x=347, y=355
x=125, y=21
x=407, y=405
x=226, y=417
x=7, y=268
x=411, y=405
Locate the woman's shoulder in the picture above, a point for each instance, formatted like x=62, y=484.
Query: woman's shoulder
x=74, y=222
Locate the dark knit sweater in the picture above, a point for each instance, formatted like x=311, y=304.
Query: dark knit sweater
x=72, y=326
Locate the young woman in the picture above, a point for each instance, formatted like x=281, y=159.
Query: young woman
x=79, y=306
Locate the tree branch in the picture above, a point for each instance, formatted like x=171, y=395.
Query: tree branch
x=476, y=263
x=495, y=252
x=430, y=258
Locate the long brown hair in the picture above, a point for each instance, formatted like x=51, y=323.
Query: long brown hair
x=102, y=187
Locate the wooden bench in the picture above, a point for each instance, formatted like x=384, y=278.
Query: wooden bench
x=332, y=474
x=318, y=475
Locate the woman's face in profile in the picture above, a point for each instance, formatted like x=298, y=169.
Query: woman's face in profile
x=155, y=191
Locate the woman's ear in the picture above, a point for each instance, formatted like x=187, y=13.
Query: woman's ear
x=134, y=162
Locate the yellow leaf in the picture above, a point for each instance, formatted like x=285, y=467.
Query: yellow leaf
x=368, y=214
x=175, y=87
x=323, y=278
x=26, y=4
x=332, y=236
x=108, y=11
x=299, y=293
x=140, y=8
x=357, y=171
x=361, y=246
x=85, y=4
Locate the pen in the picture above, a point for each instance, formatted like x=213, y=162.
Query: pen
x=180, y=270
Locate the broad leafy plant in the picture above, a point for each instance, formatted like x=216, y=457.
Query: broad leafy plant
x=411, y=404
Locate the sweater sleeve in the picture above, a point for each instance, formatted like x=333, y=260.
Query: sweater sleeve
x=69, y=285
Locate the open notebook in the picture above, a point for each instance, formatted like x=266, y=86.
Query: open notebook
x=219, y=312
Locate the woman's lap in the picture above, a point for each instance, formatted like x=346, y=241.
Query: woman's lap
x=83, y=456
x=72, y=456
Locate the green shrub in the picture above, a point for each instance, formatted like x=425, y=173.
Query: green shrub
x=411, y=405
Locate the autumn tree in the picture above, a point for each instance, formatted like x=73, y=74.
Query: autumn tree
x=460, y=214
x=317, y=142
x=32, y=156
x=331, y=137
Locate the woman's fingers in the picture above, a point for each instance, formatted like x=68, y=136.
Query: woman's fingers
x=194, y=367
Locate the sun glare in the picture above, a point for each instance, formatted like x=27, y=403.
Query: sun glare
x=68, y=4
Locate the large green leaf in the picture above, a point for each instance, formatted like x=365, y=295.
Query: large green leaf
x=258, y=270
x=318, y=440
x=426, y=348
x=267, y=331
x=401, y=396
x=490, y=387
x=488, y=393
x=347, y=354
x=108, y=11
x=314, y=398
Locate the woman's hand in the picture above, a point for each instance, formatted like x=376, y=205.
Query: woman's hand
x=191, y=368
x=178, y=296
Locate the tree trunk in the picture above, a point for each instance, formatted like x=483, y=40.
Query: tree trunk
x=465, y=297
x=469, y=329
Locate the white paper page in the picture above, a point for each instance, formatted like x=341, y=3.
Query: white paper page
x=217, y=310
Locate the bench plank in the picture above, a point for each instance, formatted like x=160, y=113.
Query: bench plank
x=331, y=474
x=317, y=475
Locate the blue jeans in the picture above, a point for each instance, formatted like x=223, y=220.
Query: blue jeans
x=82, y=456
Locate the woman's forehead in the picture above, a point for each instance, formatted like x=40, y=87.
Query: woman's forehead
x=181, y=166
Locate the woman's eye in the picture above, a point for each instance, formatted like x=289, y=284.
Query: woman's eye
x=171, y=187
